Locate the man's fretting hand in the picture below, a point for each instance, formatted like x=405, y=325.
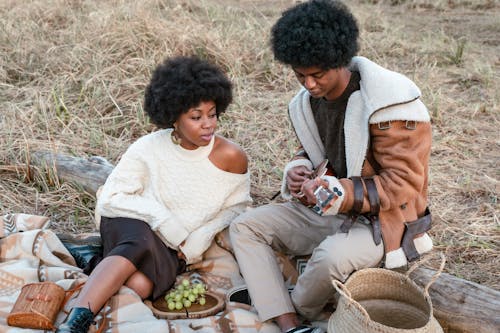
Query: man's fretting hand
x=295, y=178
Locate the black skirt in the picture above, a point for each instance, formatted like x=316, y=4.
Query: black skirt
x=133, y=239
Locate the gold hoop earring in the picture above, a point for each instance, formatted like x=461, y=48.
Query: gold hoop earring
x=175, y=139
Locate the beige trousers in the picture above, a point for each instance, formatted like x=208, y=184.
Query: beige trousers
x=292, y=228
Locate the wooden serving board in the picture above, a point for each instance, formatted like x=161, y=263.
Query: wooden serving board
x=214, y=304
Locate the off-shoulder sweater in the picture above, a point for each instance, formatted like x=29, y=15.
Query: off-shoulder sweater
x=180, y=193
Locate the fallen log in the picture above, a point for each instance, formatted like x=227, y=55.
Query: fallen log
x=459, y=305
x=88, y=173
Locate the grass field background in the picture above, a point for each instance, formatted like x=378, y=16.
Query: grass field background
x=72, y=75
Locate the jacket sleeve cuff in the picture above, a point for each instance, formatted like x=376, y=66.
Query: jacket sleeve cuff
x=348, y=200
x=423, y=243
x=337, y=188
x=395, y=259
x=285, y=193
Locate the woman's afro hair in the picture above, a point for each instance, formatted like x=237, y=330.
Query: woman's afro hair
x=180, y=83
x=317, y=33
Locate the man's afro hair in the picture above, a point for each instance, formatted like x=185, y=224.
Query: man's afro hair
x=320, y=33
x=181, y=83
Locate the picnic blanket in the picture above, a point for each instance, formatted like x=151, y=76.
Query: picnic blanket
x=31, y=252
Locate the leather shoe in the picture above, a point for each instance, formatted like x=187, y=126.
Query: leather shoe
x=77, y=321
x=83, y=249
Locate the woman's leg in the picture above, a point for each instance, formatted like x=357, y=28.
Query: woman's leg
x=132, y=254
x=106, y=279
x=141, y=284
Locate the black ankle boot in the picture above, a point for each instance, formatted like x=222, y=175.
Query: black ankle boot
x=83, y=249
x=77, y=321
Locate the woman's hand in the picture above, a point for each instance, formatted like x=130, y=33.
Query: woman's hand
x=181, y=255
x=295, y=179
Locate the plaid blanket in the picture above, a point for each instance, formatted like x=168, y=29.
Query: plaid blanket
x=31, y=252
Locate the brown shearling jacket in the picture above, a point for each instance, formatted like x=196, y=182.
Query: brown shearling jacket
x=388, y=137
x=401, y=157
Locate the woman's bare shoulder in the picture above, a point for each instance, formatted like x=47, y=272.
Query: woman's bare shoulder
x=229, y=156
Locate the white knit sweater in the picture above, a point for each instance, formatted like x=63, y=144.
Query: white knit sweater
x=180, y=193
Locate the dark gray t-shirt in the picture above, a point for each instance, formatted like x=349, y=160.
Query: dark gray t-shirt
x=329, y=117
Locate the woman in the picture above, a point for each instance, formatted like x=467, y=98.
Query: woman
x=171, y=193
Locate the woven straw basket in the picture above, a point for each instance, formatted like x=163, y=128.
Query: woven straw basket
x=37, y=306
x=377, y=300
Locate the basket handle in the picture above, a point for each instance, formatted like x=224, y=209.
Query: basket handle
x=423, y=261
x=343, y=291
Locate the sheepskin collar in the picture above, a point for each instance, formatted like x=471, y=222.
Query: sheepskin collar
x=379, y=89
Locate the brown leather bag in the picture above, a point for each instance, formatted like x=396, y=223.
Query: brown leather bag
x=37, y=306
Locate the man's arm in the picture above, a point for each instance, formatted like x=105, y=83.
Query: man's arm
x=295, y=173
x=402, y=154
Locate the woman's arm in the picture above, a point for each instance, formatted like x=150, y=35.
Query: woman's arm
x=232, y=159
x=124, y=195
x=200, y=239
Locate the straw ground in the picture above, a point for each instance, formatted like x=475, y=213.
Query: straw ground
x=72, y=75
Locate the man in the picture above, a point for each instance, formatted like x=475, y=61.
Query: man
x=371, y=125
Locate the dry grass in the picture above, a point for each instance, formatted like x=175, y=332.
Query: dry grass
x=72, y=75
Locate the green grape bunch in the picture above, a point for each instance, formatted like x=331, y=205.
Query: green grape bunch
x=185, y=295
